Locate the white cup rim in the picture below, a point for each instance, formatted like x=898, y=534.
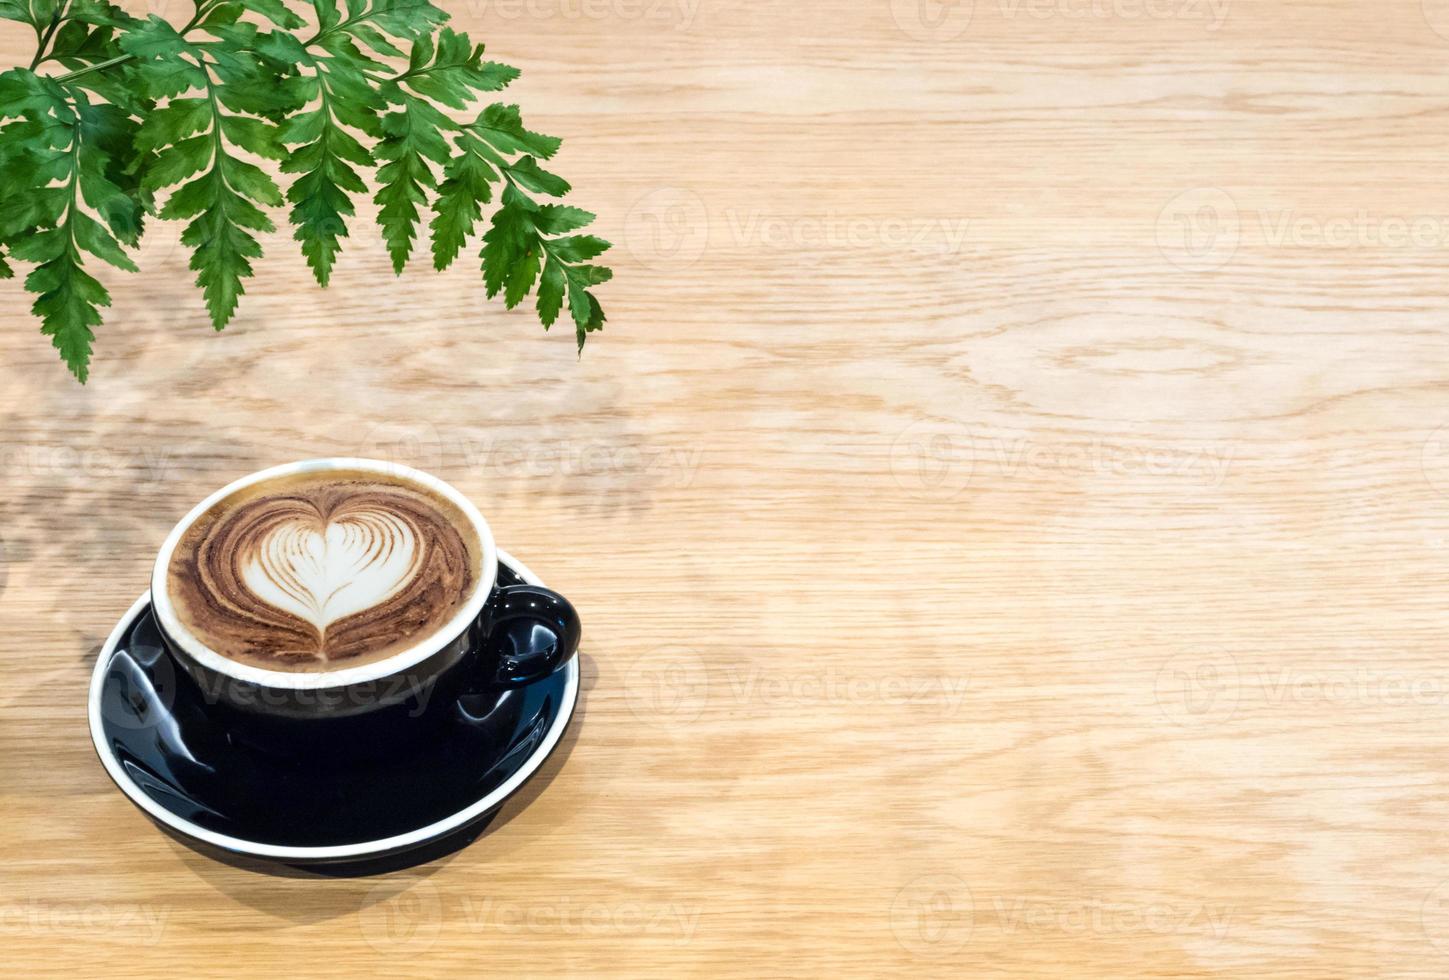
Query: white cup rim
x=208, y=658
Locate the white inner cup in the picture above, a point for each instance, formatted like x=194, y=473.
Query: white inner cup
x=165, y=610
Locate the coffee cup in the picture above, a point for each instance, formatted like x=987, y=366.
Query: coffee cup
x=347, y=595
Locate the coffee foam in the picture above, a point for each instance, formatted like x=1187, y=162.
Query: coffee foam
x=323, y=570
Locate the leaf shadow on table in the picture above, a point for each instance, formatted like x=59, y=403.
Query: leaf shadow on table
x=334, y=892
x=89, y=502
x=579, y=448
x=95, y=480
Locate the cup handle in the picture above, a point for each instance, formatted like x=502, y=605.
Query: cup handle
x=528, y=633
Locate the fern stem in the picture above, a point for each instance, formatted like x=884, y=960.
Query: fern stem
x=47, y=36
x=342, y=26
x=98, y=66
x=202, y=9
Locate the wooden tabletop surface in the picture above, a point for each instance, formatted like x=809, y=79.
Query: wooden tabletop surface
x=1008, y=506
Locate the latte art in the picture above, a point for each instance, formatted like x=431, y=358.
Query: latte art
x=323, y=571
x=321, y=576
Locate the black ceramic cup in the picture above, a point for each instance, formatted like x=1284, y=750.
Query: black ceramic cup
x=502, y=637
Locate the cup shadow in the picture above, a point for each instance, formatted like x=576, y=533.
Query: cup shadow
x=424, y=861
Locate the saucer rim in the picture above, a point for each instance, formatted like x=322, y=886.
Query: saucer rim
x=331, y=852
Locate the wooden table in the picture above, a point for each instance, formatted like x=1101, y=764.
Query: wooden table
x=1009, y=508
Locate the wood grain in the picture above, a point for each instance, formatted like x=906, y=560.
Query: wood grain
x=1008, y=506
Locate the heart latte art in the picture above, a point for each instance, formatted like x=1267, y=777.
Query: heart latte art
x=323, y=571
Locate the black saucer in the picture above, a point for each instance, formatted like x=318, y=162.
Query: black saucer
x=174, y=760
